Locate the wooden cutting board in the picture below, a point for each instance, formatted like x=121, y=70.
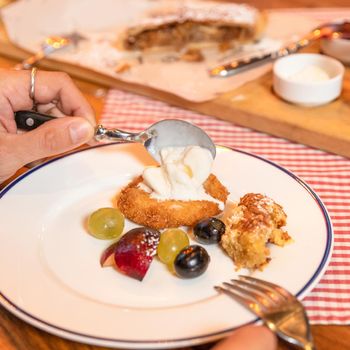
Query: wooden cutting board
x=253, y=105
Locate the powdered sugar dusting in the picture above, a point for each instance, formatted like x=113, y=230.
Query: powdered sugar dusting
x=199, y=11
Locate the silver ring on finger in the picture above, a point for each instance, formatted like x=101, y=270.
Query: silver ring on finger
x=32, y=87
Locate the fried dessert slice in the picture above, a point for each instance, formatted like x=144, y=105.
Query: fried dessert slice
x=250, y=225
x=138, y=206
x=195, y=24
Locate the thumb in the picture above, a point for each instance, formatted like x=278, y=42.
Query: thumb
x=249, y=338
x=54, y=137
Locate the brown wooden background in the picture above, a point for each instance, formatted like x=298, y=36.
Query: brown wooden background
x=17, y=335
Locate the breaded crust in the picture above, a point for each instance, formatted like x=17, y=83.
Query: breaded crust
x=139, y=207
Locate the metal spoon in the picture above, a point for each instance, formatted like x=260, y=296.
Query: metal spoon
x=328, y=30
x=50, y=45
x=165, y=133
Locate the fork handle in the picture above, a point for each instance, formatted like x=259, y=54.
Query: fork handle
x=30, y=61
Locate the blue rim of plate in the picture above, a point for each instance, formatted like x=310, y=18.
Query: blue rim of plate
x=72, y=335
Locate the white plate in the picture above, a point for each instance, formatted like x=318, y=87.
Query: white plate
x=49, y=264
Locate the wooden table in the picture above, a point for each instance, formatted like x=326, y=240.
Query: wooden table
x=17, y=335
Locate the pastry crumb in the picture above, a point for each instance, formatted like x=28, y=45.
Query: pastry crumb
x=122, y=67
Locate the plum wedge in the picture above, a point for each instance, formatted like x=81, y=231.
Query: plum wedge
x=107, y=257
x=134, y=252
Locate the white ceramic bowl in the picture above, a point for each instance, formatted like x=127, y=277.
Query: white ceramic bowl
x=304, y=91
x=337, y=48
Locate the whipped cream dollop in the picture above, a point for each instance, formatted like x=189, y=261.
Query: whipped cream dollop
x=181, y=174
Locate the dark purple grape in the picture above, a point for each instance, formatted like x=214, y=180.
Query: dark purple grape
x=191, y=262
x=209, y=231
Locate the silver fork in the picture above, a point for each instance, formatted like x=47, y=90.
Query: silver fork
x=48, y=46
x=281, y=311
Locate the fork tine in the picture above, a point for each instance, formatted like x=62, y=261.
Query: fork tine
x=252, y=293
x=269, y=287
x=247, y=302
x=283, y=313
x=259, y=289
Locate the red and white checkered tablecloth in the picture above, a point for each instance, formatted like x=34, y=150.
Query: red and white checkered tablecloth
x=327, y=174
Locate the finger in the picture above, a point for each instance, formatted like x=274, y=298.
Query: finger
x=50, y=109
x=49, y=87
x=14, y=96
x=7, y=121
x=249, y=338
x=54, y=137
x=59, y=86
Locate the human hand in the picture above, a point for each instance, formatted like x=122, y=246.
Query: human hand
x=54, y=92
x=249, y=338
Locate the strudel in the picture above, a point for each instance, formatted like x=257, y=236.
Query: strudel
x=194, y=24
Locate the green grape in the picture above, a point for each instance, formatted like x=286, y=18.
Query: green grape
x=106, y=223
x=171, y=242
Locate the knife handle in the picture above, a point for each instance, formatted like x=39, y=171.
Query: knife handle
x=29, y=120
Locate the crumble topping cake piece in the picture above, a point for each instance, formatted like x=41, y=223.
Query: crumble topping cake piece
x=250, y=225
x=179, y=192
x=195, y=24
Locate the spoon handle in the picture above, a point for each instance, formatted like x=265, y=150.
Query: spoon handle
x=240, y=65
x=101, y=133
x=30, y=120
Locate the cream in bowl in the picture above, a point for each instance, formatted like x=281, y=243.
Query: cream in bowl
x=308, y=79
